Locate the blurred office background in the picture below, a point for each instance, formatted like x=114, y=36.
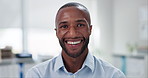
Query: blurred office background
x=119, y=35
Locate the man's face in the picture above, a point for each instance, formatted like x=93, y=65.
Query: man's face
x=73, y=30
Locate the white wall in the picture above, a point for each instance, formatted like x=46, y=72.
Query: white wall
x=104, y=20
x=42, y=13
x=126, y=23
x=118, y=21
x=10, y=13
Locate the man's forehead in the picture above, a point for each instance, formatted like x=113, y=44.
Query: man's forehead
x=71, y=11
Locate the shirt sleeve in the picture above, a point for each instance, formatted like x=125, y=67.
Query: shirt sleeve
x=32, y=73
x=119, y=74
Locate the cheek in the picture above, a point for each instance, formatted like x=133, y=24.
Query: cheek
x=86, y=32
x=60, y=34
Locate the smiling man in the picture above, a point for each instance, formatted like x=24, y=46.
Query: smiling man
x=73, y=28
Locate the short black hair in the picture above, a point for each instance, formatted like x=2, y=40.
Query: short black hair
x=78, y=5
x=75, y=4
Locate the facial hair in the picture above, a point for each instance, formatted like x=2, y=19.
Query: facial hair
x=85, y=45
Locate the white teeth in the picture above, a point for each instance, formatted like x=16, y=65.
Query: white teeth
x=76, y=42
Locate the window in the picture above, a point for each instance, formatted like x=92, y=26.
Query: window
x=11, y=37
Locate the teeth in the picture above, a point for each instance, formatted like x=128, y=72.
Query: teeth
x=76, y=42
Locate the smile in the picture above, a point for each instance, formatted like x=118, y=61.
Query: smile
x=73, y=42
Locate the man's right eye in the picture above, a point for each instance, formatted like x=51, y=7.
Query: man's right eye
x=64, y=26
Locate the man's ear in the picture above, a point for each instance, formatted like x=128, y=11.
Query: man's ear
x=56, y=31
x=90, y=29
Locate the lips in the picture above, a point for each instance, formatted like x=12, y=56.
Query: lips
x=74, y=42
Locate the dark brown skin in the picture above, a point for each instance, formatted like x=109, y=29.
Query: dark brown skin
x=72, y=25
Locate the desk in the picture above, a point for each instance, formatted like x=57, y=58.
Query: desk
x=134, y=66
x=19, y=61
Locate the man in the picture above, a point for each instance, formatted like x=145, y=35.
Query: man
x=73, y=28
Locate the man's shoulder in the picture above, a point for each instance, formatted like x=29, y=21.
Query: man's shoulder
x=108, y=68
x=103, y=63
x=45, y=64
x=40, y=69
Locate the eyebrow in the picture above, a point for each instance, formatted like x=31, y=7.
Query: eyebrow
x=63, y=22
x=81, y=20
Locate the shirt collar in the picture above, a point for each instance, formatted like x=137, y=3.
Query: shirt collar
x=89, y=62
x=58, y=63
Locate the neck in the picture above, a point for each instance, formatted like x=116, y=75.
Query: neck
x=74, y=64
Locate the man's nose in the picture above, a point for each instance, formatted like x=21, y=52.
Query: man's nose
x=72, y=32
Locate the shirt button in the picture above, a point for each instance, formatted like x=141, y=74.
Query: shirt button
x=74, y=76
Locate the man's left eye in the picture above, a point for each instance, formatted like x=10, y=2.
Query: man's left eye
x=80, y=25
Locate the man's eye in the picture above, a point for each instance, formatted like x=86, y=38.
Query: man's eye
x=80, y=25
x=64, y=26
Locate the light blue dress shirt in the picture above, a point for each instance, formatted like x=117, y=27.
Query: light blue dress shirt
x=92, y=68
